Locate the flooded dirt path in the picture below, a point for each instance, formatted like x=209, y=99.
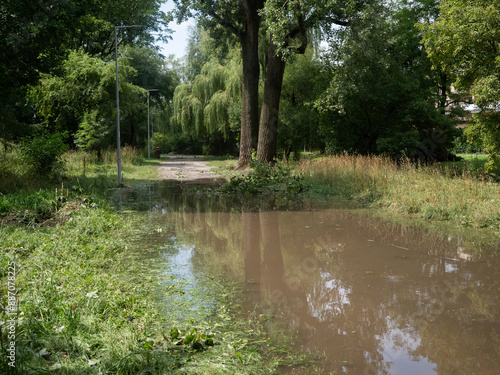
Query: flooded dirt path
x=186, y=168
x=370, y=297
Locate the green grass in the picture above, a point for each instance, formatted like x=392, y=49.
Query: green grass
x=134, y=166
x=91, y=294
x=472, y=164
x=434, y=193
x=89, y=304
x=224, y=166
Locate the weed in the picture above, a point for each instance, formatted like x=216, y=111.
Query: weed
x=44, y=152
x=275, y=184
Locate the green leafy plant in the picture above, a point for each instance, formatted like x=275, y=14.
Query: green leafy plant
x=192, y=338
x=44, y=152
x=274, y=183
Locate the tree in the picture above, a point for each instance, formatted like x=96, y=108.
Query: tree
x=38, y=36
x=464, y=42
x=81, y=99
x=383, y=95
x=304, y=80
x=210, y=106
x=151, y=72
x=288, y=23
x=241, y=19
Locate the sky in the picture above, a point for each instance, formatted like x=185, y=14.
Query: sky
x=176, y=46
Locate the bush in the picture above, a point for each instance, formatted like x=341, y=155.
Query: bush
x=463, y=146
x=44, y=152
x=276, y=185
x=177, y=144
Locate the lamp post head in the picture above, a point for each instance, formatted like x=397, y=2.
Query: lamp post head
x=127, y=26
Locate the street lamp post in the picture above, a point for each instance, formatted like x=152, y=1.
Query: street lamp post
x=118, y=142
x=149, y=148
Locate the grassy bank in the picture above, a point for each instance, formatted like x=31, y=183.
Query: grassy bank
x=439, y=193
x=90, y=295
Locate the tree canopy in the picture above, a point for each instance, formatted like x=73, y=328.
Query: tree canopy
x=38, y=36
x=383, y=94
x=463, y=41
x=369, y=88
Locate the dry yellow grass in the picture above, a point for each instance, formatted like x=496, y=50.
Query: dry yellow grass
x=428, y=191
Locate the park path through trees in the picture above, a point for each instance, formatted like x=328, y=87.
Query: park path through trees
x=186, y=168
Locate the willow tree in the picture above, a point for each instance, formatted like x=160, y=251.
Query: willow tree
x=211, y=104
x=38, y=36
x=80, y=98
x=240, y=18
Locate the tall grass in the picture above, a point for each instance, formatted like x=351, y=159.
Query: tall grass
x=427, y=191
x=78, y=162
x=28, y=198
x=16, y=173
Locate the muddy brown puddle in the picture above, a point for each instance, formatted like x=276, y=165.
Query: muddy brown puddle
x=370, y=297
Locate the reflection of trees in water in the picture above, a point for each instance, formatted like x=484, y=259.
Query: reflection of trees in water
x=312, y=266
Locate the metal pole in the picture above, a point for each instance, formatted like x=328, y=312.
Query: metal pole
x=149, y=147
x=118, y=155
x=118, y=142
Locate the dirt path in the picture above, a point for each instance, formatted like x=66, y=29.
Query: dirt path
x=186, y=168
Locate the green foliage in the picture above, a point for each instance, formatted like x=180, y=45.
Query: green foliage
x=210, y=108
x=91, y=132
x=464, y=144
x=209, y=104
x=28, y=209
x=299, y=122
x=63, y=100
x=383, y=95
x=44, y=152
x=463, y=40
x=178, y=143
x=284, y=18
x=274, y=185
x=81, y=99
x=404, y=144
x=37, y=37
x=192, y=338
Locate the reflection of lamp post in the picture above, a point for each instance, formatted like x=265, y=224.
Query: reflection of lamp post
x=119, y=161
x=149, y=148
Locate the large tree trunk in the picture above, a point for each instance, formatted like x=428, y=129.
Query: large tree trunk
x=250, y=85
x=268, y=131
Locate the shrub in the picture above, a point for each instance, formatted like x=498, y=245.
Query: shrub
x=267, y=185
x=44, y=152
x=178, y=144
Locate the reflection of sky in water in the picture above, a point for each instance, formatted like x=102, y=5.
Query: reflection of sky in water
x=181, y=267
x=450, y=267
x=324, y=308
x=398, y=345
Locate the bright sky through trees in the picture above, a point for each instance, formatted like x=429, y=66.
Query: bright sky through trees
x=176, y=46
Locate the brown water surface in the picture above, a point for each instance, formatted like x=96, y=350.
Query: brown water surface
x=372, y=297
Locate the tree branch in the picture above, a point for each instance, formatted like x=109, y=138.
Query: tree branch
x=212, y=13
